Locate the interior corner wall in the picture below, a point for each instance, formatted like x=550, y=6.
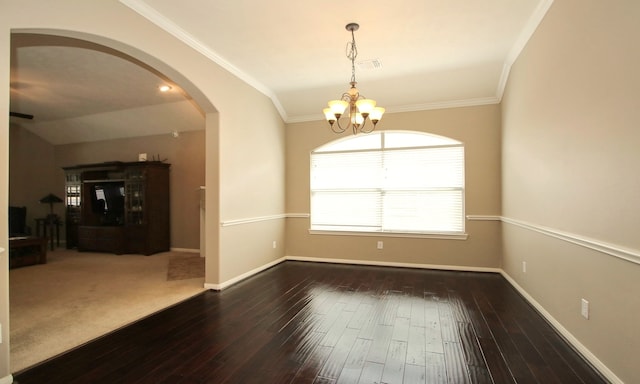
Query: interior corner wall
x=570, y=187
x=5, y=49
x=477, y=127
x=212, y=200
x=252, y=187
x=32, y=174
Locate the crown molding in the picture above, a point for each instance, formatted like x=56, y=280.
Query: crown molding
x=173, y=29
x=522, y=40
x=146, y=11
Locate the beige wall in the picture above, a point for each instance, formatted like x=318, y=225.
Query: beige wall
x=186, y=154
x=252, y=188
x=4, y=201
x=477, y=127
x=231, y=133
x=570, y=157
x=569, y=148
x=32, y=174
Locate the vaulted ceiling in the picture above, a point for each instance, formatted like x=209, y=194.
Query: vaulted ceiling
x=412, y=55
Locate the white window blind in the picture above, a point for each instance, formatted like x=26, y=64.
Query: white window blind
x=391, y=188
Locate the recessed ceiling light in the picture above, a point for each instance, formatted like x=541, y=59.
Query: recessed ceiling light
x=164, y=88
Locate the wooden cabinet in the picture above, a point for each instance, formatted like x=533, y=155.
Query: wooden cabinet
x=101, y=239
x=27, y=250
x=118, y=207
x=73, y=193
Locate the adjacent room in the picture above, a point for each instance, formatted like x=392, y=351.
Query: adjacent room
x=73, y=234
x=481, y=205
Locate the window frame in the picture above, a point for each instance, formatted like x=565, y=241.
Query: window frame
x=445, y=142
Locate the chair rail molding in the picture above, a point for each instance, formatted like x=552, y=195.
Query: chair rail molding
x=631, y=255
x=249, y=220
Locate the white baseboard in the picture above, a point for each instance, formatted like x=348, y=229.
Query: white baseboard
x=187, y=250
x=6, y=380
x=230, y=282
x=584, y=351
x=237, y=279
x=393, y=264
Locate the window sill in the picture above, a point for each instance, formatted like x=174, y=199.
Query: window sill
x=445, y=236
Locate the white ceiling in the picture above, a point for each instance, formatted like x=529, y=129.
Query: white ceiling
x=434, y=54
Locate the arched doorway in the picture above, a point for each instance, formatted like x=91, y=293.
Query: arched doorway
x=66, y=44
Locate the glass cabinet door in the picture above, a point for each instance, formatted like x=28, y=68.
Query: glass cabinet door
x=134, y=196
x=73, y=190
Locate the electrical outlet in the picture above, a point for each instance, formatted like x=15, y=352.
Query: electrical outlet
x=524, y=267
x=380, y=245
x=584, y=309
x=275, y=244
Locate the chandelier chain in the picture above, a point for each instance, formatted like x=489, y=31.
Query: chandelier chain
x=352, y=53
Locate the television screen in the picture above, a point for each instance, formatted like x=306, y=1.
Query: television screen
x=108, y=200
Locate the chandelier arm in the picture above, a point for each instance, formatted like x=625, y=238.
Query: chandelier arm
x=373, y=126
x=337, y=128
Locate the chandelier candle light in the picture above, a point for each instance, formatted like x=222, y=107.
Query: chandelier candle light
x=360, y=108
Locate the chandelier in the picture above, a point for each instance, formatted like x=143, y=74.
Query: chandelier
x=360, y=109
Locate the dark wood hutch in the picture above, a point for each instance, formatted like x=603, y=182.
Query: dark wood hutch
x=118, y=207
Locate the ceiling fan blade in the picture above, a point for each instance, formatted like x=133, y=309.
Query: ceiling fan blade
x=21, y=115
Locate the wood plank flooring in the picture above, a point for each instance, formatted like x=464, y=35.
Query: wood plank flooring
x=333, y=324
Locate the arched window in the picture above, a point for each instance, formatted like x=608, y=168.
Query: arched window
x=389, y=182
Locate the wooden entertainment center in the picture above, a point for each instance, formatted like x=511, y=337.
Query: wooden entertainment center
x=118, y=207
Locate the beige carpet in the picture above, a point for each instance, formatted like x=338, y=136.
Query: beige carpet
x=77, y=297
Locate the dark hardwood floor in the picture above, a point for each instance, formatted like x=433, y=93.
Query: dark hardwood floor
x=323, y=323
